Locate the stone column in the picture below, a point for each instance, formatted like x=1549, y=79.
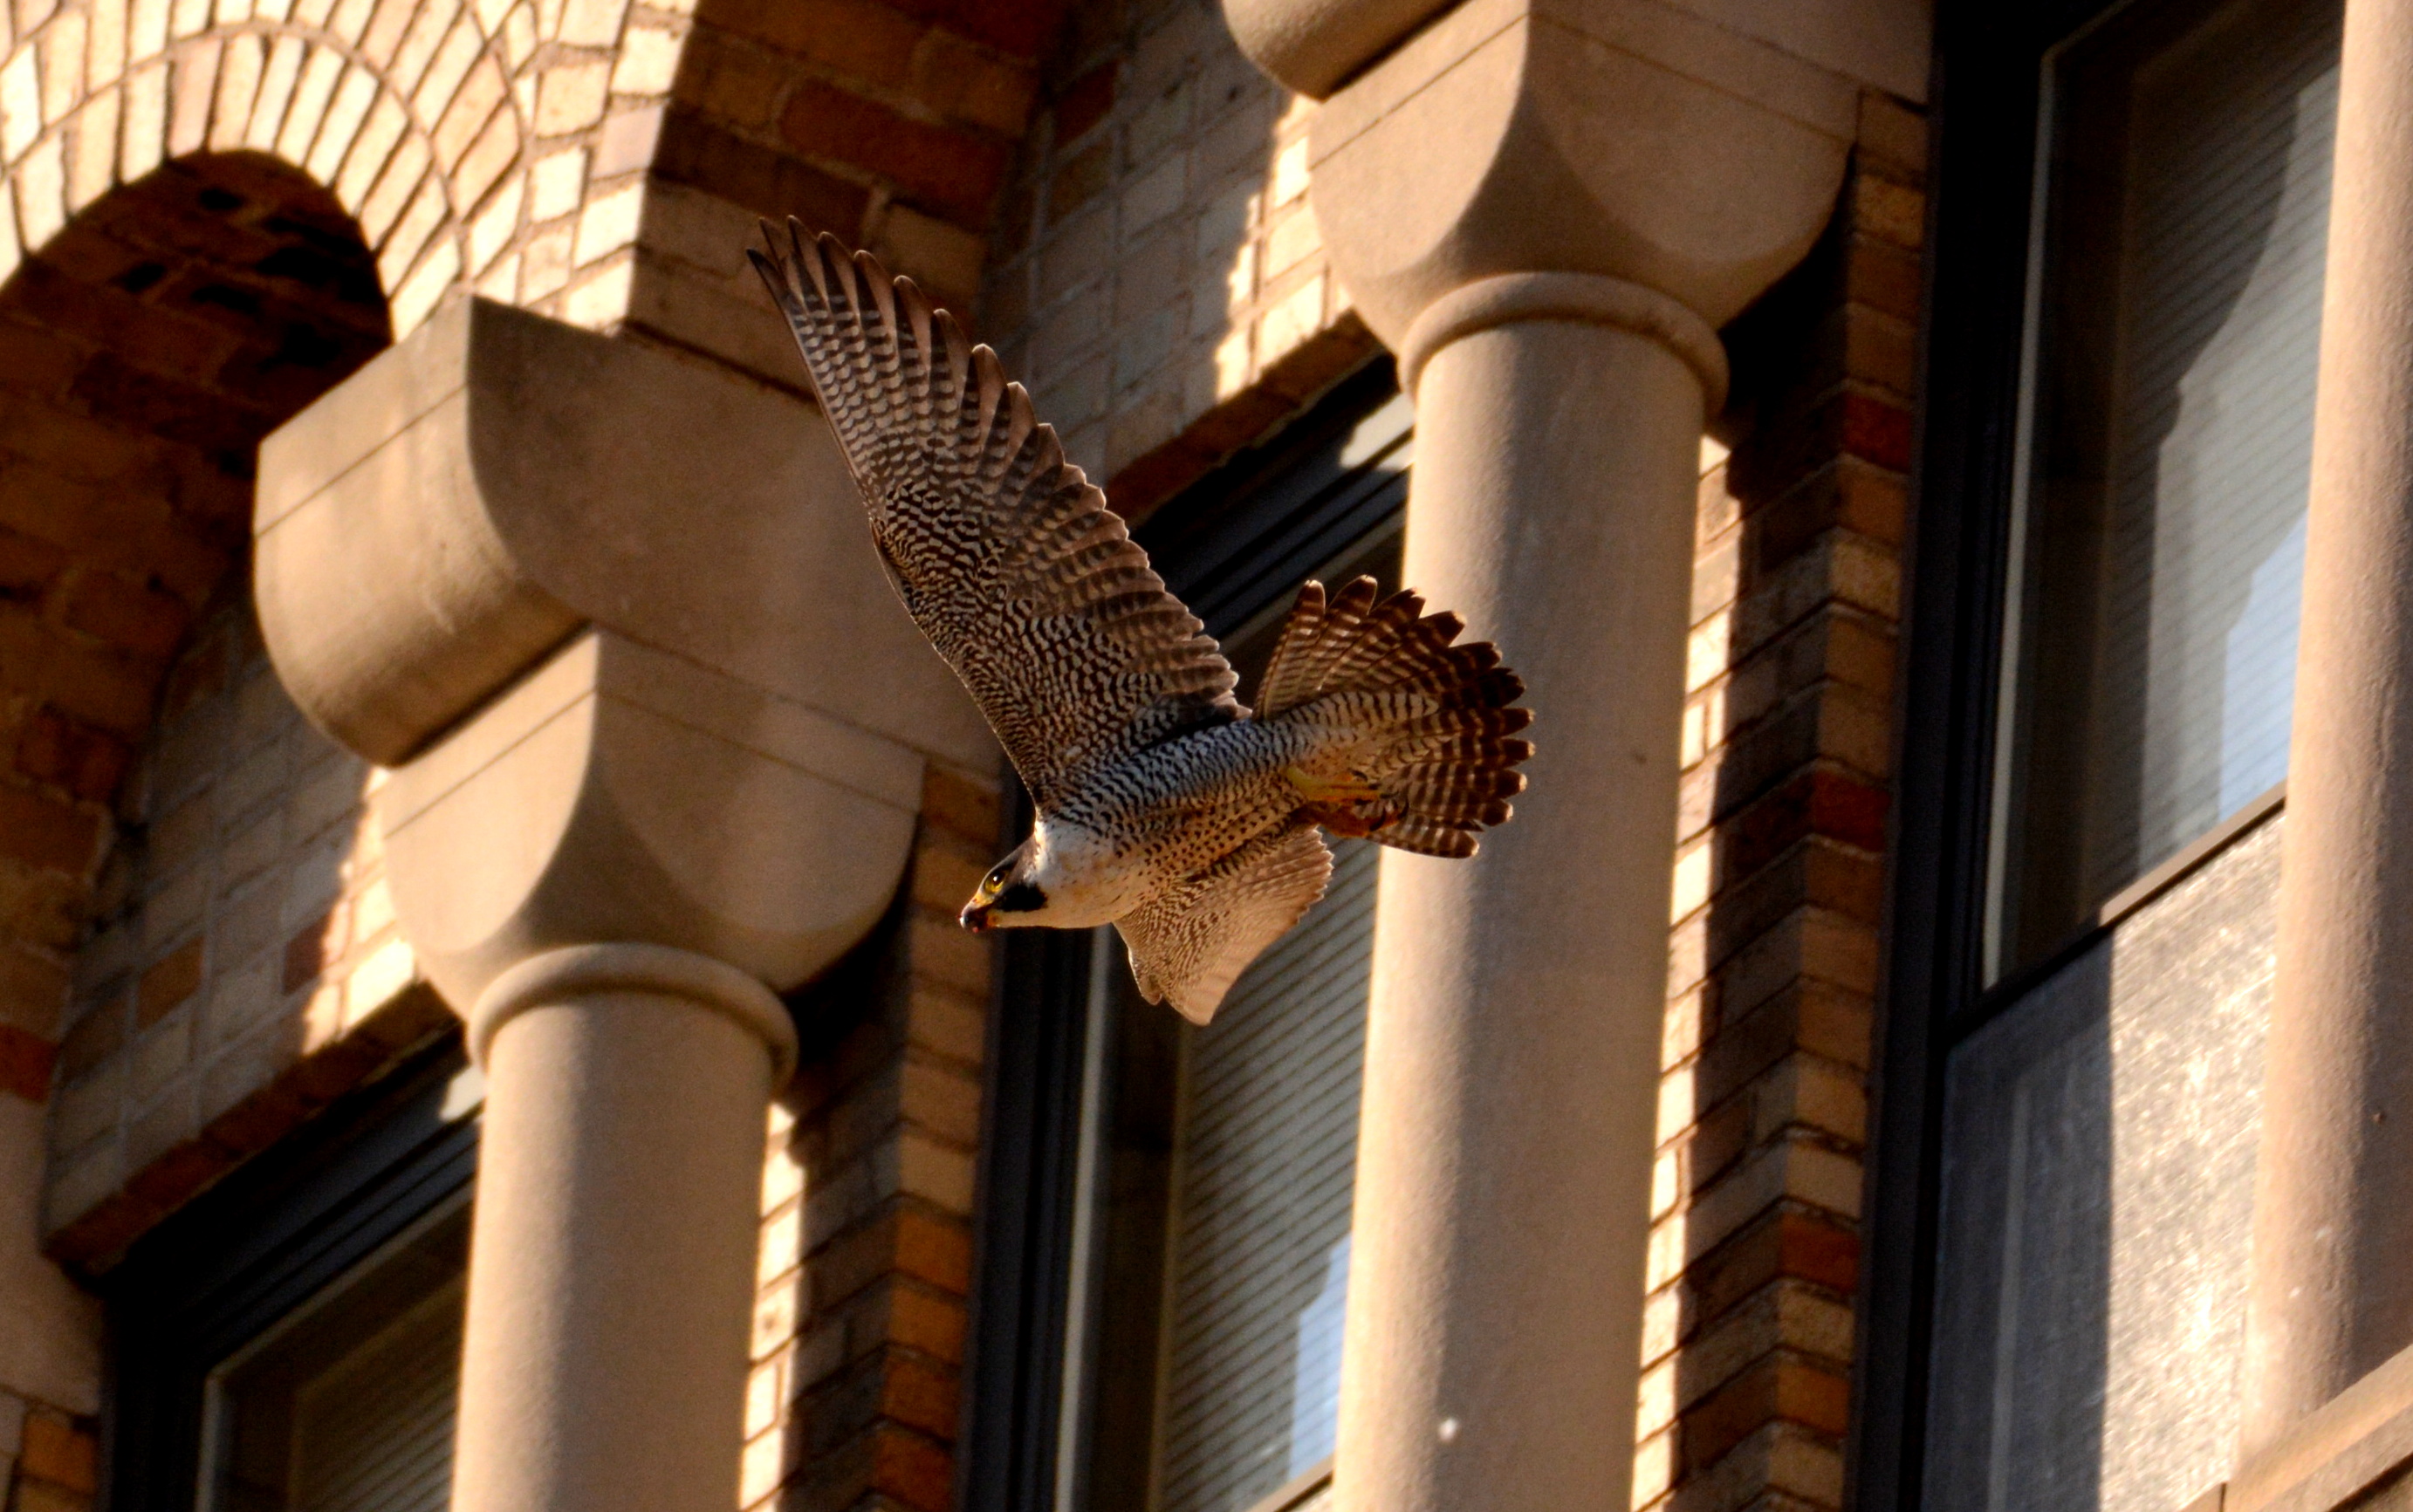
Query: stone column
x=1513, y=1055
x=656, y=730
x=619, y=1179
x=1546, y=210
x=2332, y=1291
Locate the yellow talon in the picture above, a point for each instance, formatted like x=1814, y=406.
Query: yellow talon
x=1315, y=790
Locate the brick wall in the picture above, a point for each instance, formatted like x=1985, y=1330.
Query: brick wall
x=1157, y=280
x=890, y=126
x=860, y=1322
x=48, y=1461
x=1748, y=1333
x=196, y=948
x=243, y=968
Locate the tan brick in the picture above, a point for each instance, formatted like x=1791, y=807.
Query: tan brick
x=321, y=72
x=419, y=43
x=61, y=1453
x=570, y=97
x=196, y=71
x=373, y=152
x=167, y=982
x=239, y=70
x=278, y=80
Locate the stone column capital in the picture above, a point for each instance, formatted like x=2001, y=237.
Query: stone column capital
x=1577, y=299
x=1633, y=141
x=552, y=977
x=611, y=616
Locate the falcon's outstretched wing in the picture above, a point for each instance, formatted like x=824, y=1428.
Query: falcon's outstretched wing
x=1006, y=556
x=1191, y=942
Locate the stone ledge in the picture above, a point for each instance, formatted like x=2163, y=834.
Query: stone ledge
x=2334, y=1457
x=95, y=1239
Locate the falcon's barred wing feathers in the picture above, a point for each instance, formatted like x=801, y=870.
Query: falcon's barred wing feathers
x=1189, y=943
x=1005, y=554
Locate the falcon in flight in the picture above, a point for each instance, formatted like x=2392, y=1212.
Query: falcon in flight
x=1165, y=806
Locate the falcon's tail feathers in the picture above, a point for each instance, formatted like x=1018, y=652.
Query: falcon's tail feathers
x=1439, y=720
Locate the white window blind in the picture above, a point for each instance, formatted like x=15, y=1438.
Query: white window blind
x=373, y=1432
x=2180, y=296
x=2230, y=220
x=1260, y=1237
x=348, y=1404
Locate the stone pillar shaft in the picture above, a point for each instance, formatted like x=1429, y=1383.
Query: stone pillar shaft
x=1512, y=1056
x=2332, y=1292
x=612, y=1255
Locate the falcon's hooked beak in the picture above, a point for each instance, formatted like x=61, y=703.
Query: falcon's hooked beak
x=1000, y=894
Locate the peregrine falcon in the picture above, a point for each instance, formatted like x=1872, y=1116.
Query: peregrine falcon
x=1164, y=807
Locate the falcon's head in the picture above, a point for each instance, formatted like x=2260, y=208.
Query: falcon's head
x=1007, y=897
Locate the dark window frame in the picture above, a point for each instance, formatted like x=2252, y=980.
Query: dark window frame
x=1932, y=994
x=243, y=1256
x=1265, y=514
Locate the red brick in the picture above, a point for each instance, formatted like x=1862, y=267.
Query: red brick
x=168, y=981
x=85, y=762
x=729, y=81
x=914, y=1470
x=1085, y=102
x=953, y=173
x=27, y=566
x=927, y=1321
x=126, y=614
x=100, y=687
x=198, y=675
x=1026, y=29
x=934, y=1249
x=869, y=41
x=1080, y=179
x=1778, y=1389
x=25, y=1062
x=306, y=954
x=32, y=992
x=964, y=83
x=61, y=1453
x=259, y=1119
x=1877, y=431
x=180, y=1174
x=920, y=1394
x=762, y=179
x=43, y=833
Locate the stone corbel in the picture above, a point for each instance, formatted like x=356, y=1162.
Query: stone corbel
x=1622, y=139
x=614, y=619
x=657, y=729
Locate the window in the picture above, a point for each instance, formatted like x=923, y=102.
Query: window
x=2159, y=536
x=1193, y=1261
x=346, y=1405
x=2126, y=270
x=290, y=1343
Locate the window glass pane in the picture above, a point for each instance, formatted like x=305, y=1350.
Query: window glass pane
x=2160, y=548
x=1211, y=1235
x=1260, y=1255
x=1258, y=1261
x=347, y=1405
x=2098, y=1185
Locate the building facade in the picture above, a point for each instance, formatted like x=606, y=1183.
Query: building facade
x=482, y=1022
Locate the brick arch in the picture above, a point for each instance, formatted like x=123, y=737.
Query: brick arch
x=404, y=111
x=894, y=123
x=145, y=349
